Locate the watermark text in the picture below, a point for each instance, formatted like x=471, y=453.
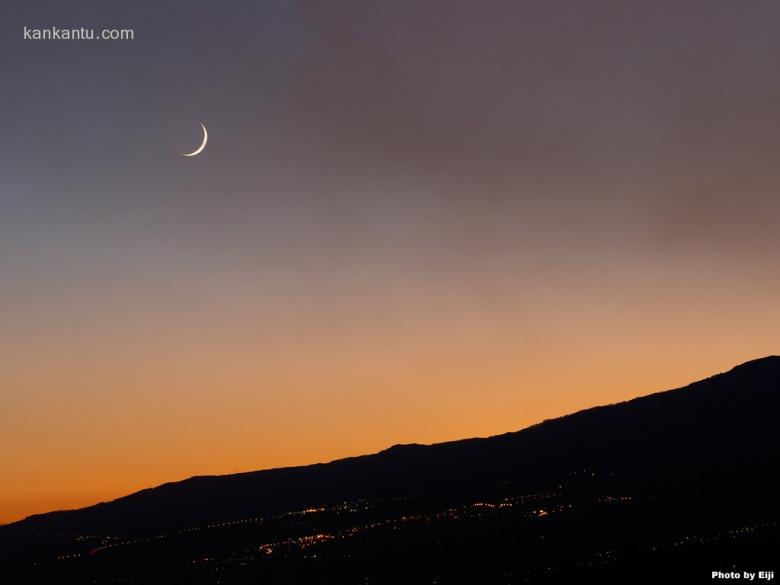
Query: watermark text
x=54, y=33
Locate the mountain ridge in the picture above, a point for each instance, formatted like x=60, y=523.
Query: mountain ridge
x=678, y=482
x=752, y=368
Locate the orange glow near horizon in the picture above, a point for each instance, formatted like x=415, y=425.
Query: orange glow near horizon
x=117, y=426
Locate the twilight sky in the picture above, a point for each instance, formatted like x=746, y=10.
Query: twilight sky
x=415, y=221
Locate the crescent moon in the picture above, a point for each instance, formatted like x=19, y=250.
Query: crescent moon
x=202, y=145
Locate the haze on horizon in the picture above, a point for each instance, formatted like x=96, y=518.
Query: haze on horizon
x=414, y=222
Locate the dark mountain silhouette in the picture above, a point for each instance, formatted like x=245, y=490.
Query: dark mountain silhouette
x=682, y=481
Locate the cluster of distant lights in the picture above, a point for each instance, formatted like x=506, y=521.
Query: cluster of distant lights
x=472, y=510
x=297, y=546
x=718, y=536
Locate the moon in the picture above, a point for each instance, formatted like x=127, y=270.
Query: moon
x=202, y=145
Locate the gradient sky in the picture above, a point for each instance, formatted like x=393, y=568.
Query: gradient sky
x=415, y=221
